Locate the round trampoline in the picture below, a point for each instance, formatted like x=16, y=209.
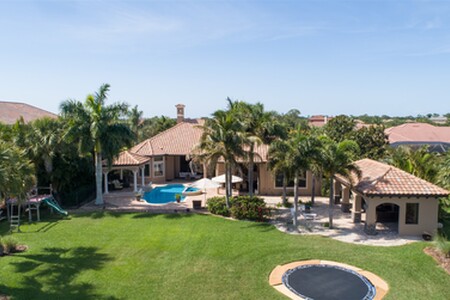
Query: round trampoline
x=321, y=281
x=324, y=279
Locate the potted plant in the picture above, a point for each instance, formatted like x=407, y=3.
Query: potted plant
x=178, y=198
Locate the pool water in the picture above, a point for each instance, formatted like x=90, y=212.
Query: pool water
x=166, y=194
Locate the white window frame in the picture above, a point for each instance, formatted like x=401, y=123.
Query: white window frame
x=159, y=162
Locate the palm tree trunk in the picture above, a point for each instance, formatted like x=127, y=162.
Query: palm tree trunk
x=313, y=192
x=330, y=204
x=227, y=184
x=98, y=178
x=295, y=199
x=250, y=171
x=284, y=189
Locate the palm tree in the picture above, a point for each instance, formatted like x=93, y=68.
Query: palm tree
x=279, y=163
x=97, y=128
x=337, y=159
x=16, y=172
x=302, y=150
x=44, y=140
x=135, y=120
x=259, y=127
x=222, y=139
x=443, y=176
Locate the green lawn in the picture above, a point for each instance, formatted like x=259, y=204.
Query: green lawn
x=143, y=256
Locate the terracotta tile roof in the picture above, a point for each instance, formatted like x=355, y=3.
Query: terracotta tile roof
x=381, y=179
x=177, y=140
x=318, y=121
x=10, y=112
x=126, y=158
x=418, y=132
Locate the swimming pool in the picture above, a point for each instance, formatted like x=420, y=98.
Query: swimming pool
x=166, y=194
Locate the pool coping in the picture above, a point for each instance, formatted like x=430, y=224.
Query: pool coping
x=275, y=277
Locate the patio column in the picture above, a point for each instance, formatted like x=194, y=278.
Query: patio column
x=356, y=209
x=337, y=191
x=106, y=182
x=371, y=218
x=142, y=175
x=135, y=179
x=345, y=205
x=121, y=174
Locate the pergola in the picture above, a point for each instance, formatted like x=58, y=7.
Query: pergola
x=415, y=200
x=127, y=161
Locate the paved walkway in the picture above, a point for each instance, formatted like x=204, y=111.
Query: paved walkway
x=343, y=228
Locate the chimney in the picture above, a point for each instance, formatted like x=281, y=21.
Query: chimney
x=180, y=112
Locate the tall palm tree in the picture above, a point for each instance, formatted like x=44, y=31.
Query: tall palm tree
x=259, y=127
x=302, y=150
x=336, y=158
x=97, y=128
x=135, y=120
x=222, y=139
x=279, y=164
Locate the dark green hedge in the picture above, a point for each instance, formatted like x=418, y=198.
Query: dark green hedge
x=242, y=208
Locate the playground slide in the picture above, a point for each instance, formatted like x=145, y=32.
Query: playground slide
x=53, y=204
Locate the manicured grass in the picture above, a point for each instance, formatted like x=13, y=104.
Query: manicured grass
x=143, y=256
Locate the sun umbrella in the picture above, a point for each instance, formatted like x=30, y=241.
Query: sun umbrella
x=203, y=184
x=221, y=179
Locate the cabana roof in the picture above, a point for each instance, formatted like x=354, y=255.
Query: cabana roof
x=379, y=179
x=126, y=158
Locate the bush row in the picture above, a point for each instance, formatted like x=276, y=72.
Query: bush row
x=241, y=207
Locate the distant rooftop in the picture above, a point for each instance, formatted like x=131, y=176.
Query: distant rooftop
x=10, y=112
x=419, y=134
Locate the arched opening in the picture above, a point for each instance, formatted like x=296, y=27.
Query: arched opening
x=387, y=217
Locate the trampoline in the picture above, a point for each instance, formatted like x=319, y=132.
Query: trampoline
x=323, y=282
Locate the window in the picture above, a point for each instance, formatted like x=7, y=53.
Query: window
x=412, y=213
x=147, y=170
x=158, y=166
x=290, y=183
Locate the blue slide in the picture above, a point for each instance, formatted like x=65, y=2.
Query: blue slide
x=53, y=204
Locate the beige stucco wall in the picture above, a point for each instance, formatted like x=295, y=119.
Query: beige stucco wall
x=170, y=168
x=428, y=213
x=267, y=182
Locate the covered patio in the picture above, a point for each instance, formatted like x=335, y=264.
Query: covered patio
x=390, y=199
x=127, y=161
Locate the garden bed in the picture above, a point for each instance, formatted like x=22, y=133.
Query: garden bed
x=439, y=257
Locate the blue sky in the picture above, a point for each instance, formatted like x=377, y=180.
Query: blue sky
x=321, y=57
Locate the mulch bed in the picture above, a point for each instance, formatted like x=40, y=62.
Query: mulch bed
x=439, y=257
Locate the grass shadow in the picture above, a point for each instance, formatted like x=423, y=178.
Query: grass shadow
x=98, y=214
x=53, y=274
x=261, y=226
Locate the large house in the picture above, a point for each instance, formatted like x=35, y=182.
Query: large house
x=10, y=112
x=163, y=158
x=420, y=134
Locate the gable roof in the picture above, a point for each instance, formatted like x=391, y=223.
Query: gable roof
x=379, y=179
x=418, y=132
x=10, y=112
x=126, y=158
x=177, y=140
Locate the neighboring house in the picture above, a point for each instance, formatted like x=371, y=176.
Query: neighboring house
x=167, y=153
x=420, y=134
x=318, y=121
x=10, y=112
x=391, y=198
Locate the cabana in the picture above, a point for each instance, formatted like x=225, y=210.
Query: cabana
x=127, y=161
x=388, y=195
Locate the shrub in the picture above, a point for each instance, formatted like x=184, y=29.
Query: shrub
x=249, y=208
x=9, y=244
x=441, y=243
x=218, y=206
